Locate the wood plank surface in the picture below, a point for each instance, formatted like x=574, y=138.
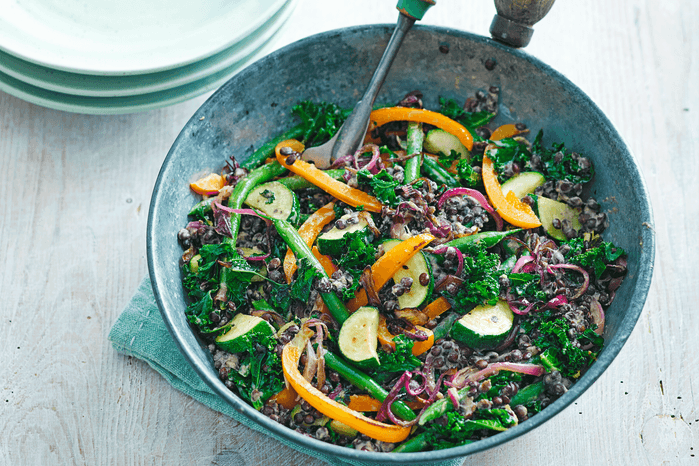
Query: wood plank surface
x=74, y=195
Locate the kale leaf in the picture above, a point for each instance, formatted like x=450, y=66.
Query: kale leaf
x=471, y=120
x=558, y=164
x=498, y=382
x=320, y=121
x=303, y=284
x=596, y=257
x=382, y=184
x=480, y=277
x=468, y=176
x=401, y=359
x=460, y=431
x=357, y=252
x=217, y=264
x=259, y=372
x=559, y=352
x=527, y=285
x=509, y=151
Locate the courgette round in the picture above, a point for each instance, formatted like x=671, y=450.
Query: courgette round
x=333, y=241
x=550, y=210
x=485, y=326
x=275, y=200
x=358, y=337
x=439, y=141
x=523, y=184
x=414, y=269
x=243, y=327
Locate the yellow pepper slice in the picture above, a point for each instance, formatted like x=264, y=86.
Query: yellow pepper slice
x=509, y=207
x=366, y=404
x=437, y=307
x=338, y=189
x=385, y=115
x=509, y=130
x=331, y=408
x=308, y=232
x=209, y=185
x=388, y=264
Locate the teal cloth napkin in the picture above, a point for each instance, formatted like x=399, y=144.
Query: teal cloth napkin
x=140, y=332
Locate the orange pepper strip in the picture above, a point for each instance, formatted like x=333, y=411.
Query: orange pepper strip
x=386, y=338
x=366, y=403
x=338, y=189
x=437, y=307
x=329, y=268
x=331, y=408
x=209, y=185
x=506, y=131
x=388, y=264
x=287, y=398
x=308, y=232
x=385, y=115
x=325, y=261
x=509, y=207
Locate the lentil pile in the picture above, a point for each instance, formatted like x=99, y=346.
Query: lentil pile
x=480, y=293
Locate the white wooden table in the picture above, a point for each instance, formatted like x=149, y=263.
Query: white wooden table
x=74, y=194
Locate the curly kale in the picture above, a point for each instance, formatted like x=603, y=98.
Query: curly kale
x=480, y=275
x=509, y=151
x=558, y=164
x=527, y=285
x=471, y=120
x=401, y=359
x=382, y=185
x=320, y=121
x=215, y=266
x=555, y=163
x=357, y=253
x=560, y=353
x=460, y=430
x=596, y=257
x=468, y=175
x=259, y=372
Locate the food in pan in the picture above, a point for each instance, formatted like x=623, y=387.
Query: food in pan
x=444, y=283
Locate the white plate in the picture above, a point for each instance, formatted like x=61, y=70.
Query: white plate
x=126, y=104
x=125, y=37
x=113, y=86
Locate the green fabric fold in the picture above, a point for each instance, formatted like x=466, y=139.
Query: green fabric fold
x=141, y=333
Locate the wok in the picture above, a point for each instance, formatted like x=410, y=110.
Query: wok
x=254, y=106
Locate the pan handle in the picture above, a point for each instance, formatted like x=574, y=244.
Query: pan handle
x=515, y=18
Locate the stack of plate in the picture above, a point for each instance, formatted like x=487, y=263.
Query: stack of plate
x=107, y=57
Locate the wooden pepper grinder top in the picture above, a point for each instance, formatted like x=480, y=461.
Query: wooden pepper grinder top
x=515, y=18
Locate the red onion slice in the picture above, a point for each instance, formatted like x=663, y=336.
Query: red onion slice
x=597, y=316
x=577, y=268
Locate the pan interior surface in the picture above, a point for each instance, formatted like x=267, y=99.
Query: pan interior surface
x=254, y=106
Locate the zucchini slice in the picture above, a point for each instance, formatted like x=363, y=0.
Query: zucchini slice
x=275, y=200
x=332, y=242
x=550, y=210
x=414, y=268
x=243, y=327
x=438, y=140
x=343, y=429
x=484, y=326
x=358, y=337
x=523, y=184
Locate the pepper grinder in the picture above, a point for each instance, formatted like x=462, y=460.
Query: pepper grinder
x=515, y=18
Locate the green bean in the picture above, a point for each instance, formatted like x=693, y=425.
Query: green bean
x=267, y=149
x=362, y=381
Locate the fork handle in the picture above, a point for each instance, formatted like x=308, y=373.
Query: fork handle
x=515, y=18
x=351, y=133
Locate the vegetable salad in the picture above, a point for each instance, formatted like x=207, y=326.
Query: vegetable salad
x=442, y=284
